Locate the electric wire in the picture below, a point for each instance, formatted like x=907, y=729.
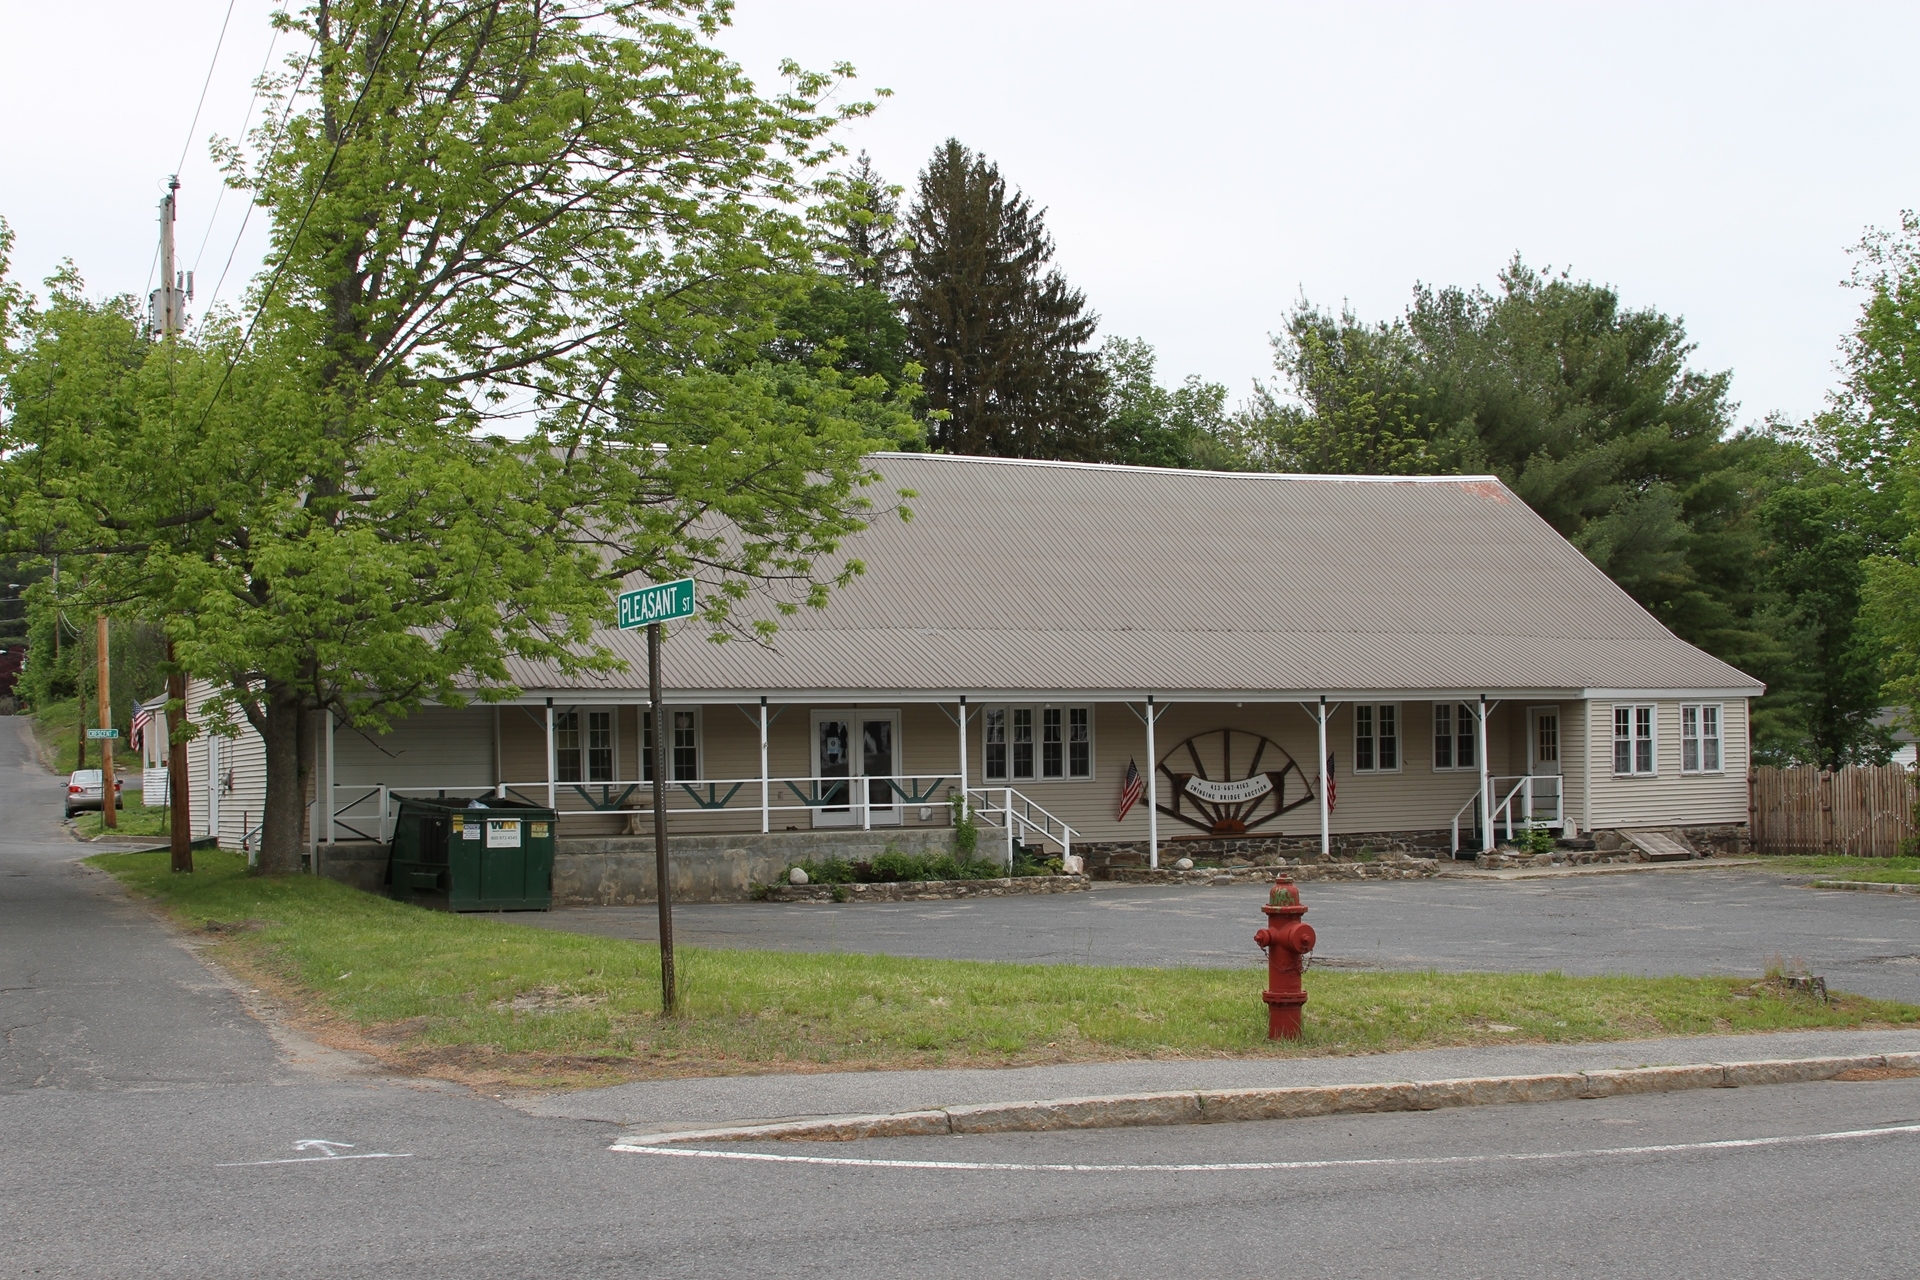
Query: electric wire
x=213, y=62
x=219, y=196
x=278, y=133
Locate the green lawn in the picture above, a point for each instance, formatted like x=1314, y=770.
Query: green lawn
x=57, y=725
x=134, y=820
x=485, y=1000
x=1837, y=867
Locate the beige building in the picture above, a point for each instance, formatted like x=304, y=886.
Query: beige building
x=1285, y=661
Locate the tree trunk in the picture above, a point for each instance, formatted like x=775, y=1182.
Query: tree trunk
x=285, y=736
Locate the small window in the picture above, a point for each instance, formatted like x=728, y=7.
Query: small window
x=1700, y=745
x=1633, y=741
x=1453, y=727
x=683, y=748
x=1020, y=744
x=583, y=745
x=1376, y=738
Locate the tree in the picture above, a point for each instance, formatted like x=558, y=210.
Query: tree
x=510, y=349
x=999, y=333
x=1149, y=425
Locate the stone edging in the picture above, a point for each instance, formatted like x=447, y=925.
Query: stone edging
x=1217, y=1106
x=1383, y=869
x=1866, y=886
x=925, y=890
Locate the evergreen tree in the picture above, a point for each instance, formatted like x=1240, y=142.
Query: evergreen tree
x=1000, y=335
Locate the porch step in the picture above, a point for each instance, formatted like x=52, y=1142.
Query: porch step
x=1659, y=846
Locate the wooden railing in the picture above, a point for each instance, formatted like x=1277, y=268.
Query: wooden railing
x=1862, y=810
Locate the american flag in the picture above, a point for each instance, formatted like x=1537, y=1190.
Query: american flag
x=1332, y=790
x=142, y=717
x=1132, y=787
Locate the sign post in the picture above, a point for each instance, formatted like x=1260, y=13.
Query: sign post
x=649, y=607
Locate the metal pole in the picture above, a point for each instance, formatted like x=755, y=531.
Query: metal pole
x=179, y=785
x=1153, y=793
x=1326, y=814
x=1486, y=782
x=766, y=794
x=963, y=754
x=1008, y=797
x=332, y=781
x=662, y=878
x=552, y=765
x=103, y=695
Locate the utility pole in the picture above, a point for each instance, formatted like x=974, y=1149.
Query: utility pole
x=167, y=315
x=104, y=697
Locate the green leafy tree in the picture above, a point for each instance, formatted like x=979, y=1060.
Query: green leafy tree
x=999, y=333
x=1154, y=426
x=511, y=348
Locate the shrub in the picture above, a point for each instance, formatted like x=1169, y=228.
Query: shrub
x=966, y=835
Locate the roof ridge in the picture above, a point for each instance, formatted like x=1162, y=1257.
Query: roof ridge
x=1329, y=477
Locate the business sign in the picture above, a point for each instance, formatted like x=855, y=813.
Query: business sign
x=661, y=602
x=503, y=833
x=1230, y=792
x=103, y=733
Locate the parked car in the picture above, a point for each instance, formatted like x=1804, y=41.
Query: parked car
x=83, y=791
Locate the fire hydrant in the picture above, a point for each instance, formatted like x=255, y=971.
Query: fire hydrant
x=1286, y=940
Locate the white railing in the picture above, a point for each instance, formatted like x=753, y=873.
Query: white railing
x=1534, y=800
x=1021, y=817
x=366, y=811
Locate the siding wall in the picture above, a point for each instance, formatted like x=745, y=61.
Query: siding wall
x=241, y=776
x=1668, y=798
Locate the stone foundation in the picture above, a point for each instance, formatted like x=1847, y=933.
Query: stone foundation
x=1508, y=859
x=923, y=890
x=1264, y=849
x=1299, y=872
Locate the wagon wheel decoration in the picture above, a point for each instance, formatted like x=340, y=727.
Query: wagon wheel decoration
x=1210, y=794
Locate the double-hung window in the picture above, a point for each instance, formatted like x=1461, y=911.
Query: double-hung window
x=583, y=745
x=1453, y=741
x=683, y=748
x=1376, y=737
x=1021, y=744
x=1633, y=740
x=1700, y=745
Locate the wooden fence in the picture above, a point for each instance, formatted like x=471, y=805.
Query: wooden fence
x=1863, y=810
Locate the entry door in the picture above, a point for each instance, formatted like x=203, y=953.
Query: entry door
x=862, y=747
x=1543, y=762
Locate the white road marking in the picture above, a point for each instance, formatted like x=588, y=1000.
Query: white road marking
x=327, y=1152
x=1261, y=1166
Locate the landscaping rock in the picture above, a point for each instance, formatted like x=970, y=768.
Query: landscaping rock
x=924, y=890
x=796, y=876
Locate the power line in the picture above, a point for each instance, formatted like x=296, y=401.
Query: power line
x=278, y=133
x=212, y=218
x=211, y=64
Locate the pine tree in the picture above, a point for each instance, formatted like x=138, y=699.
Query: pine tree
x=863, y=245
x=1000, y=335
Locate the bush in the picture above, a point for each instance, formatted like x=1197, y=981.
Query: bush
x=966, y=834
x=894, y=866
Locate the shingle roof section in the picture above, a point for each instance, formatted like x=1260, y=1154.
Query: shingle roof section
x=1074, y=579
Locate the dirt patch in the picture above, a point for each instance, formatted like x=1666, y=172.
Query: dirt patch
x=235, y=926
x=550, y=1000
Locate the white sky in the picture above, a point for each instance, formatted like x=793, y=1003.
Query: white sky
x=1203, y=165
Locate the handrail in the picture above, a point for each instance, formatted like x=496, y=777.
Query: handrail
x=1020, y=822
x=1524, y=790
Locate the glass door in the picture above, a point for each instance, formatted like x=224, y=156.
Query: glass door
x=863, y=748
x=1543, y=762
x=879, y=765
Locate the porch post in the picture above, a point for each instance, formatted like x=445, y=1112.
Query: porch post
x=1153, y=793
x=963, y=753
x=552, y=765
x=766, y=796
x=1326, y=823
x=1486, y=783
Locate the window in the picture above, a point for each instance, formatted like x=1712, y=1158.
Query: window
x=1633, y=740
x=1020, y=744
x=684, y=747
x=1453, y=746
x=583, y=745
x=1376, y=738
x=1700, y=738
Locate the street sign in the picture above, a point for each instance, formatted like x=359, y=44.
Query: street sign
x=103, y=733
x=661, y=602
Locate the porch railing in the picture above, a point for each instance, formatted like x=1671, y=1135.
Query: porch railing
x=1533, y=800
x=1020, y=817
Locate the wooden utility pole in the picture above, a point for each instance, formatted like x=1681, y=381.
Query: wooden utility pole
x=104, y=696
x=661, y=879
x=179, y=796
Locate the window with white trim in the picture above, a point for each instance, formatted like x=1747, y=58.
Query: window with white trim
x=683, y=748
x=1633, y=740
x=583, y=745
x=1453, y=741
x=1376, y=737
x=1700, y=742
x=1022, y=744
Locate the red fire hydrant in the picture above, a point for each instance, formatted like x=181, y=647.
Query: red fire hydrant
x=1286, y=940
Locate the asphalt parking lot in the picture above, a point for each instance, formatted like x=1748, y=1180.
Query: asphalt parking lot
x=1692, y=921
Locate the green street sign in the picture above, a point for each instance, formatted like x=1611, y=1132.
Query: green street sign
x=103, y=733
x=661, y=602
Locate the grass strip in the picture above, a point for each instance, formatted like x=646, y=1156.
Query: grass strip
x=1840, y=867
x=492, y=1002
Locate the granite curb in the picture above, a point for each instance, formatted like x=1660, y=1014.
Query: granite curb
x=1220, y=1106
x=1865, y=886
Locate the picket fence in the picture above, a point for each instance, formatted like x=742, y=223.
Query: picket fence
x=1862, y=810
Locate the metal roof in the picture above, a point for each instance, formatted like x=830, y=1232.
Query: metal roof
x=1066, y=578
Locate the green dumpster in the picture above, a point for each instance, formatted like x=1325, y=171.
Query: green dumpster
x=456, y=857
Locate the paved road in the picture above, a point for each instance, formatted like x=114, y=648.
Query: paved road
x=146, y=1120
x=1657, y=922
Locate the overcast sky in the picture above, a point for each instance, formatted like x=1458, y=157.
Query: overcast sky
x=1203, y=165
